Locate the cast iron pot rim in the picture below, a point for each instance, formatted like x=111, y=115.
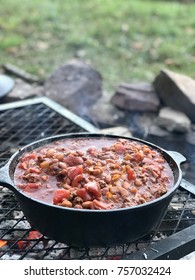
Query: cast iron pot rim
x=98, y=135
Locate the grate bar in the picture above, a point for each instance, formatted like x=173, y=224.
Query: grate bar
x=173, y=247
x=53, y=105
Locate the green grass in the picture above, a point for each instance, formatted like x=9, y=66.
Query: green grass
x=129, y=40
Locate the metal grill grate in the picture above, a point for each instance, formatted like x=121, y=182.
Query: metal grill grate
x=22, y=125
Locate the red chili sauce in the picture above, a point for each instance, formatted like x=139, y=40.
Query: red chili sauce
x=98, y=173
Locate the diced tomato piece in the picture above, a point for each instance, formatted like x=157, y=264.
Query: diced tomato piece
x=30, y=186
x=33, y=185
x=34, y=170
x=76, y=180
x=119, y=148
x=28, y=156
x=83, y=193
x=23, y=165
x=138, y=156
x=59, y=195
x=74, y=171
x=100, y=205
x=73, y=160
x=131, y=174
x=94, y=188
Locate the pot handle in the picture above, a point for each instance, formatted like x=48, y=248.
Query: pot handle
x=5, y=179
x=179, y=158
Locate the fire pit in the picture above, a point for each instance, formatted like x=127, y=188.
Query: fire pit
x=18, y=240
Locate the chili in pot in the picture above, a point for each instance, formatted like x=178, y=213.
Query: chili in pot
x=94, y=173
x=103, y=203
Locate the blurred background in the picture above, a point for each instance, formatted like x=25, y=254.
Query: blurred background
x=129, y=40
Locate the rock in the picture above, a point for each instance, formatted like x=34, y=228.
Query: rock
x=104, y=114
x=155, y=130
x=176, y=91
x=75, y=86
x=190, y=137
x=173, y=121
x=136, y=97
x=147, y=125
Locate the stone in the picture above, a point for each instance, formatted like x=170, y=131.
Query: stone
x=190, y=137
x=176, y=91
x=155, y=130
x=74, y=85
x=173, y=120
x=136, y=97
x=147, y=125
x=104, y=114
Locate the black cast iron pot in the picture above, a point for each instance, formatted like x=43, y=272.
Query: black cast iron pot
x=91, y=228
